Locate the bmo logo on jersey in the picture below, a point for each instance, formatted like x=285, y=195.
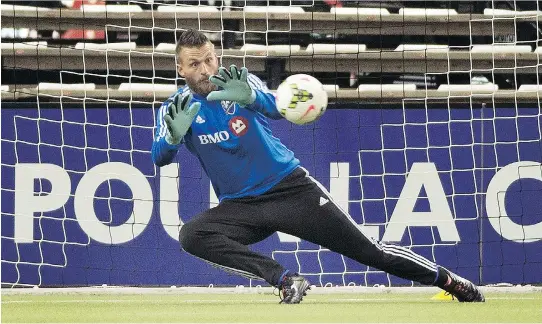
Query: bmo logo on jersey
x=214, y=138
x=238, y=125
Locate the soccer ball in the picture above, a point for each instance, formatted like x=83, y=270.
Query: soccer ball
x=301, y=99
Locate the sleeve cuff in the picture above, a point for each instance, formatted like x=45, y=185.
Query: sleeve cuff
x=252, y=97
x=250, y=101
x=172, y=147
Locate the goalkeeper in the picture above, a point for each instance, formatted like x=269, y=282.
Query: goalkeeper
x=221, y=117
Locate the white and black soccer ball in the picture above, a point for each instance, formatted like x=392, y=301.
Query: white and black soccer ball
x=301, y=99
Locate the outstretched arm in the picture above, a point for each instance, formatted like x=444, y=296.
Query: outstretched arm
x=265, y=99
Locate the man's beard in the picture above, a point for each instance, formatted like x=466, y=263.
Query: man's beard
x=202, y=87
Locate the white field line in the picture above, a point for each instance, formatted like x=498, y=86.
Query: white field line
x=301, y=323
x=244, y=301
x=248, y=290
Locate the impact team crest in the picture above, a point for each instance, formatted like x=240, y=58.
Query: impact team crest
x=238, y=125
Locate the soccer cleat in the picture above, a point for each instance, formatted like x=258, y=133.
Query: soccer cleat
x=462, y=289
x=293, y=288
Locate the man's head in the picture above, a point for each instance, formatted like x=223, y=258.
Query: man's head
x=197, y=61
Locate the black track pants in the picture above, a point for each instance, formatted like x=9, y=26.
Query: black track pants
x=221, y=234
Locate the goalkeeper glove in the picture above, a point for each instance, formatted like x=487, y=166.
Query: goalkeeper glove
x=234, y=84
x=179, y=118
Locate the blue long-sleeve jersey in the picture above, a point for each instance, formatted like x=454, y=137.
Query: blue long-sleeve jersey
x=234, y=145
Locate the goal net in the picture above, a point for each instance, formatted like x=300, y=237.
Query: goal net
x=432, y=139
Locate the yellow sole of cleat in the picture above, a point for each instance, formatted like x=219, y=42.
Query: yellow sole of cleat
x=443, y=295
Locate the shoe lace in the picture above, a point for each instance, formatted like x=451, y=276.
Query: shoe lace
x=283, y=291
x=463, y=289
x=286, y=294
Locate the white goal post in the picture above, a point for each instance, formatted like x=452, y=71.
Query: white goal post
x=432, y=139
